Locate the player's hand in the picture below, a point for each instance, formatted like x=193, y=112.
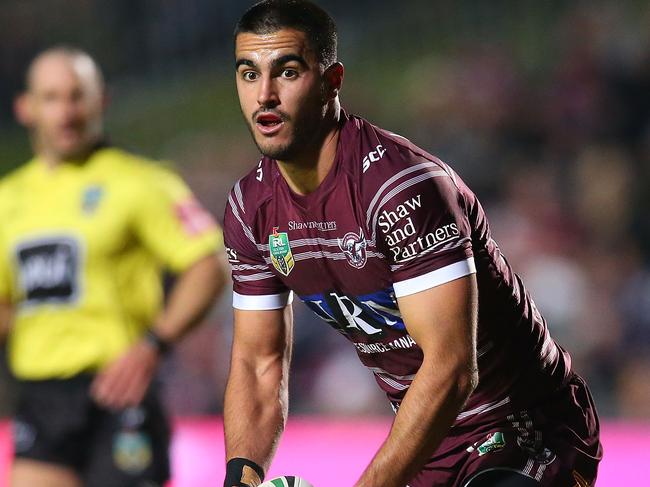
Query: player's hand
x=124, y=382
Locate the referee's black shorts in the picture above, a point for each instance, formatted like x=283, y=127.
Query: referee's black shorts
x=56, y=421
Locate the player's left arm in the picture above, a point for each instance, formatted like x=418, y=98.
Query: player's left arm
x=442, y=320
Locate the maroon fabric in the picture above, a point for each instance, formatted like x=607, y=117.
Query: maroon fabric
x=388, y=212
x=555, y=443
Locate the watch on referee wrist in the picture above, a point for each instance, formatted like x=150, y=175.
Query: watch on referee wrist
x=241, y=472
x=153, y=339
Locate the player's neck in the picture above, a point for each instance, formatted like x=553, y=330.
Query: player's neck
x=52, y=159
x=305, y=174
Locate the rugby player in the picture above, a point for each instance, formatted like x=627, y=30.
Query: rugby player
x=388, y=246
x=86, y=230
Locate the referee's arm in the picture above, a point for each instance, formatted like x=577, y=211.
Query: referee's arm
x=124, y=382
x=6, y=312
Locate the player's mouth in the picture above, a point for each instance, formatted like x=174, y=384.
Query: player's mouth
x=268, y=123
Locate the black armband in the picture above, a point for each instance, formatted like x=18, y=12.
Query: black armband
x=241, y=472
x=156, y=342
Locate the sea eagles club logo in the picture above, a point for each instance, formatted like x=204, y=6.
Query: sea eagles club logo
x=354, y=248
x=280, y=250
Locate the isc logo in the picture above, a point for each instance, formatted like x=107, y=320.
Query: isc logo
x=373, y=156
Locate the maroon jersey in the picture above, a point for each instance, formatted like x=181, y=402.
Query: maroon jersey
x=389, y=220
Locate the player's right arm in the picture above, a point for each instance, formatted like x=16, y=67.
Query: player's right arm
x=256, y=400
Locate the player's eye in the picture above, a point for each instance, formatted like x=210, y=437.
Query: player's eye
x=289, y=73
x=249, y=75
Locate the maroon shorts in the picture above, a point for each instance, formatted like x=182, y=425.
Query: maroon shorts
x=556, y=443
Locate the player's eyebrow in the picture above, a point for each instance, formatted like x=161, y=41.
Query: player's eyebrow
x=288, y=58
x=244, y=62
x=275, y=63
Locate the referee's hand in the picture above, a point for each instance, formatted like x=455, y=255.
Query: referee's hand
x=124, y=382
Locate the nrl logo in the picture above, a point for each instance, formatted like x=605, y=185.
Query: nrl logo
x=354, y=248
x=280, y=250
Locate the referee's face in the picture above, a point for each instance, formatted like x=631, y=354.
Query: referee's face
x=63, y=106
x=281, y=91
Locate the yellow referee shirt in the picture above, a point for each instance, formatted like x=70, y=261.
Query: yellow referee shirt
x=82, y=249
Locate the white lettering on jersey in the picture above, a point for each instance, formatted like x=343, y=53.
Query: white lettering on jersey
x=320, y=226
x=373, y=156
x=424, y=243
x=346, y=312
x=387, y=219
x=401, y=343
x=259, y=173
x=232, y=255
x=352, y=316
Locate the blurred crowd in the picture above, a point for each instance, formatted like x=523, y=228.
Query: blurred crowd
x=556, y=146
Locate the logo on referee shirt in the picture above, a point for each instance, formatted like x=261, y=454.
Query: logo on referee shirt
x=91, y=197
x=280, y=250
x=49, y=270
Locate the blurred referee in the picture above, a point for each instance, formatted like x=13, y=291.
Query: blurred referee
x=86, y=231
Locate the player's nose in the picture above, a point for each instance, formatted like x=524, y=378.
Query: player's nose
x=267, y=95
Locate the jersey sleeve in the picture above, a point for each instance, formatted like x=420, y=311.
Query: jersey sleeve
x=172, y=224
x=420, y=223
x=255, y=287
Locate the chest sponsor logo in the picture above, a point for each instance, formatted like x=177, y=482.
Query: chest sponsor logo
x=280, y=251
x=354, y=247
x=49, y=270
x=373, y=156
x=311, y=225
x=367, y=316
x=91, y=199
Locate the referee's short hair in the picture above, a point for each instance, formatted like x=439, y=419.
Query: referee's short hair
x=269, y=16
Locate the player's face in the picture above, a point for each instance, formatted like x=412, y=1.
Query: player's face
x=63, y=106
x=281, y=91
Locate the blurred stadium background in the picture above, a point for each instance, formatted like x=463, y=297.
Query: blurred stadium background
x=542, y=107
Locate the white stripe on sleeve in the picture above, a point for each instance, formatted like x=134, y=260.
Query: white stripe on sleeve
x=435, y=278
x=261, y=302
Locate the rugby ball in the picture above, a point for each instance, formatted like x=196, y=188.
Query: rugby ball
x=286, y=481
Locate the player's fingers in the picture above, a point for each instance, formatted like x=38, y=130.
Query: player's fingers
x=113, y=385
x=133, y=385
x=135, y=392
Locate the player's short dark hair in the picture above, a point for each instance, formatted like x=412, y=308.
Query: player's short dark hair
x=269, y=16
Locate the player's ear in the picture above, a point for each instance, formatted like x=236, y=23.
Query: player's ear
x=334, y=78
x=23, y=109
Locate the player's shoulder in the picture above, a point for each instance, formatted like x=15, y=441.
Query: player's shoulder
x=17, y=180
x=390, y=161
x=118, y=162
x=137, y=175
x=250, y=193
